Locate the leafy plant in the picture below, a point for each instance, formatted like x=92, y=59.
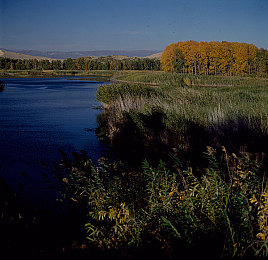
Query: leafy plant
x=222, y=206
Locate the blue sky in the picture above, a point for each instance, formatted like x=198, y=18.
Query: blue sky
x=129, y=24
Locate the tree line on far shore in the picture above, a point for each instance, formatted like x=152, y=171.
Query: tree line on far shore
x=83, y=63
x=199, y=58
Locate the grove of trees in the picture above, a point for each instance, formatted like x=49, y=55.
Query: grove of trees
x=83, y=63
x=215, y=58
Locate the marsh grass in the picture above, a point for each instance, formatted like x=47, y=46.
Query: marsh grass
x=161, y=77
x=182, y=118
x=55, y=73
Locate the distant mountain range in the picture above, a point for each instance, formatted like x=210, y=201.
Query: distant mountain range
x=14, y=55
x=77, y=54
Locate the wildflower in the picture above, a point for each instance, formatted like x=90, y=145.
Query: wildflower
x=182, y=194
x=236, y=184
x=171, y=193
x=173, y=190
x=253, y=199
x=234, y=155
x=261, y=236
x=65, y=180
x=263, y=216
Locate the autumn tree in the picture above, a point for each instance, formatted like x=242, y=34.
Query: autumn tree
x=212, y=58
x=167, y=57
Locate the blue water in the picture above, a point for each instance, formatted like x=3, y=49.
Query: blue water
x=39, y=116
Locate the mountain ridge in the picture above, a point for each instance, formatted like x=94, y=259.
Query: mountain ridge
x=77, y=54
x=15, y=55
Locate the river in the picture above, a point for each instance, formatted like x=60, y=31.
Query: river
x=39, y=116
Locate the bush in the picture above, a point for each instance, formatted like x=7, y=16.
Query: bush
x=222, y=208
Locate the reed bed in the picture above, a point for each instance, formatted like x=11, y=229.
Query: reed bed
x=235, y=116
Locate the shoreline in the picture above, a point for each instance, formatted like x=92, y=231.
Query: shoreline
x=51, y=73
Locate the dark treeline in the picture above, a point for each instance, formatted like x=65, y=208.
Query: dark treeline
x=84, y=63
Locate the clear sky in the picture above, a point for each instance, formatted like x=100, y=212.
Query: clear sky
x=129, y=24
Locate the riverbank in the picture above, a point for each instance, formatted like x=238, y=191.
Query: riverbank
x=53, y=73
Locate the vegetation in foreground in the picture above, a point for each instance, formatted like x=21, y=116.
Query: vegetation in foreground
x=218, y=212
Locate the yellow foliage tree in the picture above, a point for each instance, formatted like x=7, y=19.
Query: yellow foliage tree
x=168, y=57
x=212, y=58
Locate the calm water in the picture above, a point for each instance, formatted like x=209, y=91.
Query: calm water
x=37, y=118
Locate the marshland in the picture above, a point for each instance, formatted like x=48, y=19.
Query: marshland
x=139, y=163
x=191, y=168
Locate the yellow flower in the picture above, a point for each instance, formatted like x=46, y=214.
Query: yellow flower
x=171, y=193
x=234, y=155
x=253, y=200
x=173, y=190
x=261, y=236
